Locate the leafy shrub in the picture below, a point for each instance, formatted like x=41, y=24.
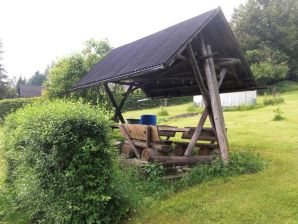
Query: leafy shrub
x=11, y=105
x=281, y=87
x=60, y=164
x=162, y=112
x=241, y=162
x=192, y=108
x=146, y=190
x=278, y=115
x=273, y=100
x=243, y=107
x=134, y=101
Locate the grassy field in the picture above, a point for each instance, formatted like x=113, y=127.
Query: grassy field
x=270, y=196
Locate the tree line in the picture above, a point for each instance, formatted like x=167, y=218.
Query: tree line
x=267, y=31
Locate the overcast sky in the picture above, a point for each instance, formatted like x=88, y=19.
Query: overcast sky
x=36, y=32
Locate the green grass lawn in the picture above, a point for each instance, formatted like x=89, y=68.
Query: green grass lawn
x=270, y=196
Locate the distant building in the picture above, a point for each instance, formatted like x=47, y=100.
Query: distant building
x=27, y=91
x=234, y=99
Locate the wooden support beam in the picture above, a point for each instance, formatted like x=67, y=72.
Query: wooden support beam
x=130, y=142
x=202, y=120
x=119, y=107
x=215, y=102
x=196, y=133
x=114, y=103
x=148, y=136
x=180, y=160
x=182, y=58
x=197, y=74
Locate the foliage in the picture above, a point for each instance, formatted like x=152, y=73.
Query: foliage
x=152, y=187
x=281, y=87
x=135, y=101
x=163, y=112
x=8, y=106
x=70, y=69
x=278, y=115
x=192, y=108
x=37, y=79
x=243, y=107
x=154, y=170
x=3, y=77
x=273, y=100
x=268, y=65
x=269, y=28
x=60, y=165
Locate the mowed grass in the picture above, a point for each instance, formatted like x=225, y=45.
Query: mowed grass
x=270, y=196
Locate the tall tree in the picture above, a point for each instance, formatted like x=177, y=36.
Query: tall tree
x=37, y=79
x=3, y=77
x=269, y=26
x=68, y=70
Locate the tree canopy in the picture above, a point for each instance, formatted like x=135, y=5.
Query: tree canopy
x=70, y=69
x=37, y=79
x=267, y=32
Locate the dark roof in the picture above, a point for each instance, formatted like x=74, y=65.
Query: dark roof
x=30, y=91
x=157, y=53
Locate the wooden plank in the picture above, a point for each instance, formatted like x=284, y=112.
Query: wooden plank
x=126, y=135
x=206, y=132
x=215, y=103
x=157, y=146
x=148, y=136
x=180, y=160
x=148, y=153
x=139, y=132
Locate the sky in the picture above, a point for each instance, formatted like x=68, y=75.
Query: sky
x=35, y=33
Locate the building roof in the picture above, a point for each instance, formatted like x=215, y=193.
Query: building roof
x=30, y=91
x=147, y=61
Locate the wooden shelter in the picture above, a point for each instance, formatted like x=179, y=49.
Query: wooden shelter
x=197, y=56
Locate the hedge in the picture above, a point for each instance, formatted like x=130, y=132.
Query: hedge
x=60, y=168
x=8, y=106
x=133, y=103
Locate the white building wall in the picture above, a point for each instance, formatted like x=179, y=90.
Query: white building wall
x=232, y=99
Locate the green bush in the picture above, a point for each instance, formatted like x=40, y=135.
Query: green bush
x=273, y=100
x=278, y=115
x=60, y=164
x=281, y=87
x=11, y=105
x=243, y=107
x=147, y=188
x=162, y=112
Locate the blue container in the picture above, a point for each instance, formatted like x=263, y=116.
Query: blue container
x=148, y=119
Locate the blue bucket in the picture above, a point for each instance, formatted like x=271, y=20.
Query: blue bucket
x=148, y=119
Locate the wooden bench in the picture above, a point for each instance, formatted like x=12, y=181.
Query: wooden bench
x=145, y=140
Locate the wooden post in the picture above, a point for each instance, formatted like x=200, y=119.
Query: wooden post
x=125, y=133
x=215, y=102
x=207, y=111
x=205, y=95
x=114, y=103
